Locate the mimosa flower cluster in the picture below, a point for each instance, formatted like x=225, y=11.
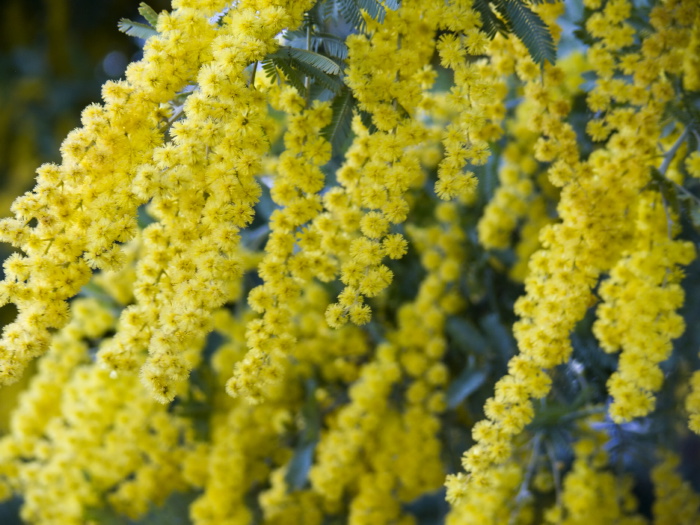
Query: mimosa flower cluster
x=339, y=261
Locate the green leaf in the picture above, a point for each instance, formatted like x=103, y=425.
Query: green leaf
x=367, y=122
x=529, y=28
x=136, y=29
x=329, y=10
x=318, y=91
x=270, y=68
x=331, y=83
x=374, y=9
x=313, y=17
x=300, y=464
x=294, y=77
x=94, y=290
x=352, y=14
x=103, y=516
x=310, y=58
x=465, y=384
x=149, y=14
x=351, y=10
x=331, y=44
x=274, y=65
x=466, y=336
x=499, y=335
x=491, y=24
x=296, y=63
x=338, y=131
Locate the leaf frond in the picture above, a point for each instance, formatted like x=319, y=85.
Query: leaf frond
x=490, y=23
x=136, y=29
x=529, y=28
x=339, y=130
x=149, y=14
x=310, y=58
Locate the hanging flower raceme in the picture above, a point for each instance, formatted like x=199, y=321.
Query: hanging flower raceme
x=80, y=211
x=476, y=96
x=643, y=290
x=388, y=71
x=296, y=188
x=204, y=189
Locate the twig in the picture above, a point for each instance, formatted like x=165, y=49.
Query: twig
x=686, y=192
x=671, y=153
x=556, y=474
x=524, y=491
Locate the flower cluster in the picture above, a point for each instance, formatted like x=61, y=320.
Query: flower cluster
x=338, y=261
x=295, y=188
x=592, y=492
x=596, y=198
x=80, y=211
x=642, y=290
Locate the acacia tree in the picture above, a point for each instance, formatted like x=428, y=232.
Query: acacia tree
x=310, y=262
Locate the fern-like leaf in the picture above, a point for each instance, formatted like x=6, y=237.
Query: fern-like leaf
x=351, y=10
x=374, y=9
x=296, y=70
x=296, y=63
x=293, y=76
x=278, y=68
x=149, y=14
x=332, y=83
x=338, y=131
x=529, y=28
x=367, y=121
x=270, y=69
x=310, y=58
x=331, y=44
x=136, y=29
x=490, y=23
x=329, y=10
